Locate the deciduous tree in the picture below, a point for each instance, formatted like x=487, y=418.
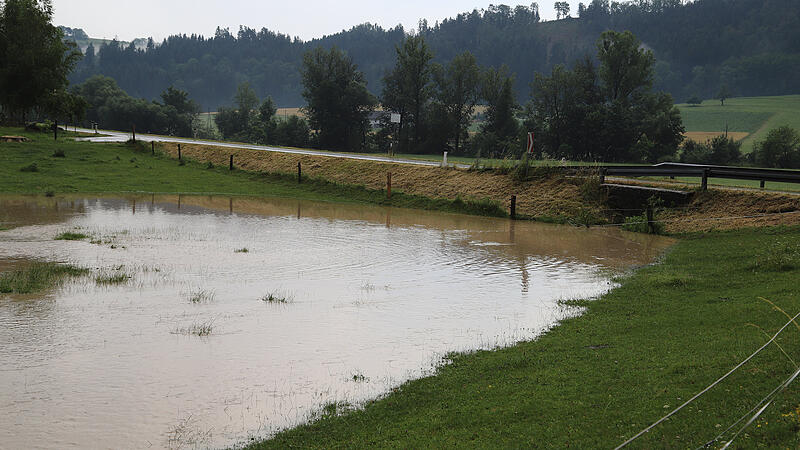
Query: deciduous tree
x=34, y=59
x=337, y=99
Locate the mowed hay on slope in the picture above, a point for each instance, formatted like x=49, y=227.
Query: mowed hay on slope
x=732, y=209
x=550, y=197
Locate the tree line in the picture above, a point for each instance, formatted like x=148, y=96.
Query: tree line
x=752, y=46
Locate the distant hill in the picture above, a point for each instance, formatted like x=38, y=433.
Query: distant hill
x=753, y=46
x=83, y=40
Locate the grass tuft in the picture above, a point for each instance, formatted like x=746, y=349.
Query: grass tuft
x=277, y=298
x=201, y=329
x=201, y=296
x=38, y=277
x=242, y=250
x=70, y=236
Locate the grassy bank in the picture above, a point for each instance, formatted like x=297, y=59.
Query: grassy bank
x=34, y=168
x=37, y=277
x=637, y=353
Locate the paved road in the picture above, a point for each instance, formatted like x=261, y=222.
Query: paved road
x=117, y=136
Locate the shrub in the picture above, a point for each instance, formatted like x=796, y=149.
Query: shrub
x=719, y=150
x=781, y=149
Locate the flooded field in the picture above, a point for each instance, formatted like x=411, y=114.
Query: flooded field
x=209, y=320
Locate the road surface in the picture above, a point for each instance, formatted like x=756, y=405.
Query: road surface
x=117, y=136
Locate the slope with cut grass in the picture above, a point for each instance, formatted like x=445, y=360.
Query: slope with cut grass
x=755, y=116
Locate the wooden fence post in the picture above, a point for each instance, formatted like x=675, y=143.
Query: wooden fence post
x=389, y=185
x=55, y=130
x=651, y=226
x=230, y=163
x=153, y=147
x=299, y=172
x=179, y=152
x=763, y=184
x=704, y=183
x=134, y=132
x=603, y=175
x=513, y=206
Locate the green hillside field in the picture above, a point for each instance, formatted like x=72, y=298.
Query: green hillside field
x=753, y=115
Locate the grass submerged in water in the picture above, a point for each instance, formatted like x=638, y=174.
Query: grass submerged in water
x=38, y=277
x=594, y=381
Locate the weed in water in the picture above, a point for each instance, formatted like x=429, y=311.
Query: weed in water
x=69, y=236
x=242, y=250
x=113, y=278
x=200, y=296
x=38, y=277
x=32, y=167
x=201, y=329
x=276, y=297
x=359, y=377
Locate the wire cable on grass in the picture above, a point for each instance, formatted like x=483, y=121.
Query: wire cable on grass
x=696, y=396
x=758, y=405
x=780, y=388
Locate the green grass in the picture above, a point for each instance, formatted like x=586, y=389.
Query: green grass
x=755, y=115
x=124, y=168
x=635, y=354
x=37, y=277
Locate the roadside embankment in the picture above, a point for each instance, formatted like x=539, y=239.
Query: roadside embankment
x=551, y=197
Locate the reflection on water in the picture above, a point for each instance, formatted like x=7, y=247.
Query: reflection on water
x=377, y=295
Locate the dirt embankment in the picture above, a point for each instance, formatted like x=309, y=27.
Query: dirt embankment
x=723, y=209
x=548, y=197
x=543, y=197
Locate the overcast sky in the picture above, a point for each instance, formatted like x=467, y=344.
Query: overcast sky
x=307, y=19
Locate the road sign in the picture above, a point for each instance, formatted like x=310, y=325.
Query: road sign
x=395, y=118
x=530, y=142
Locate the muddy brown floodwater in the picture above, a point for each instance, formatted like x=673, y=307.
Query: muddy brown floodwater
x=182, y=350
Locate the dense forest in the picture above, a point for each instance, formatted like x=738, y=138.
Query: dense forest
x=750, y=46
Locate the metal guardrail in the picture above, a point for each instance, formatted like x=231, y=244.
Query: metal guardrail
x=704, y=172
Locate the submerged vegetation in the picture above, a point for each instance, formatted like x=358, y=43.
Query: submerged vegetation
x=201, y=329
x=200, y=296
x=38, y=277
x=71, y=236
x=277, y=297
